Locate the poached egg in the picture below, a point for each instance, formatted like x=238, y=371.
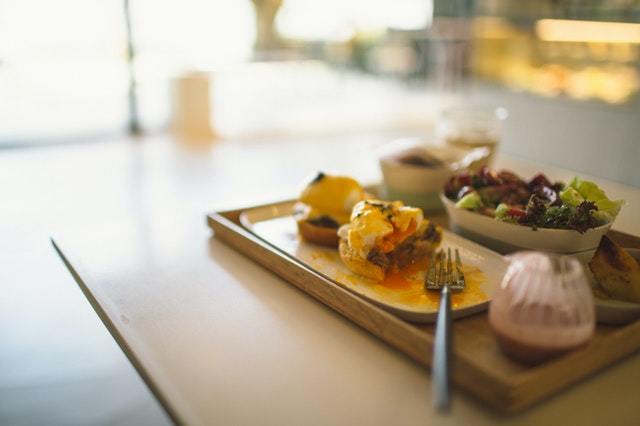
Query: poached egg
x=380, y=224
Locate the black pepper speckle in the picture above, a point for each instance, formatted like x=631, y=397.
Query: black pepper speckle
x=318, y=178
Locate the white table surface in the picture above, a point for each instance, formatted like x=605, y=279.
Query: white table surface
x=223, y=340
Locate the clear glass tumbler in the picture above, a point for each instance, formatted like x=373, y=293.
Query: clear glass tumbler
x=472, y=127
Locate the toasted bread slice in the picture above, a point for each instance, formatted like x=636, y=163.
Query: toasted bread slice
x=318, y=229
x=323, y=235
x=359, y=265
x=616, y=271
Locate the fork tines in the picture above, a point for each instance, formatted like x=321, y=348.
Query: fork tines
x=443, y=269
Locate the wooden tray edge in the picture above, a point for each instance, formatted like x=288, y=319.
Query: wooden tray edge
x=543, y=382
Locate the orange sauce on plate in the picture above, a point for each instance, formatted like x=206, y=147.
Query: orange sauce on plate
x=409, y=285
x=406, y=286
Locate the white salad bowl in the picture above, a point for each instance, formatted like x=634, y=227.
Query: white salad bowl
x=505, y=237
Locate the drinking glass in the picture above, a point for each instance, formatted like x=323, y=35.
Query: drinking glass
x=472, y=127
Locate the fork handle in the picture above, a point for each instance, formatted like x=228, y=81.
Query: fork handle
x=441, y=353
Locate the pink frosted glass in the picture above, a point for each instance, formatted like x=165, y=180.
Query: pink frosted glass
x=543, y=307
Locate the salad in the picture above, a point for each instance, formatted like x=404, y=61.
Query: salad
x=538, y=202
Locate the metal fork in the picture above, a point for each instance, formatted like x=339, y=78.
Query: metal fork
x=441, y=271
x=445, y=279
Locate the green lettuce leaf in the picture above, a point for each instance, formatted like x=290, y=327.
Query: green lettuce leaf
x=583, y=190
x=471, y=201
x=502, y=214
x=571, y=197
x=557, y=216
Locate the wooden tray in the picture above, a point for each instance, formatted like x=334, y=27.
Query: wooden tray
x=480, y=367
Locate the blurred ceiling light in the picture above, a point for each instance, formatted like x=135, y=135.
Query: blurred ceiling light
x=587, y=31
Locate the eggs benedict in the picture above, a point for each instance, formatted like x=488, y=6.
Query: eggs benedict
x=382, y=235
x=324, y=205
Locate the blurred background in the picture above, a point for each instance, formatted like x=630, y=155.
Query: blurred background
x=303, y=76
x=86, y=70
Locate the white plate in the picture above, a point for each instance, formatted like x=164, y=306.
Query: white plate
x=610, y=311
x=484, y=267
x=506, y=237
